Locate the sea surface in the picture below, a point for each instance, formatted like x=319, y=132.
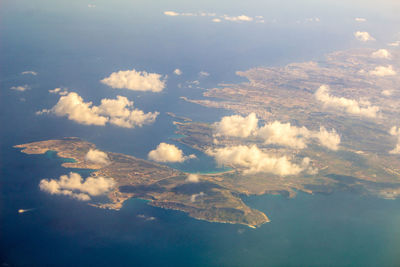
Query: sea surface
x=339, y=229
x=72, y=46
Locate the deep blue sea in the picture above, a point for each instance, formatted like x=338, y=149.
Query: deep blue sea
x=70, y=45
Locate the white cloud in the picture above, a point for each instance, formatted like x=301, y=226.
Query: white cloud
x=395, y=131
x=171, y=13
x=73, y=106
x=381, y=53
x=193, y=178
x=31, y=72
x=74, y=186
x=241, y=18
x=284, y=134
x=394, y=44
x=382, y=71
x=236, y=126
x=363, y=36
x=63, y=92
x=328, y=139
x=20, y=88
x=91, y=6
x=387, y=92
x=360, y=19
x=177, y=72
x=238, y=18
x=135, y=80
x=276, y=132
x=55, y=90
x=361, y=108
x=252, y=160
x=97, y=157
x=119, y=112
x=168, y=153
x=204, y=73
x=297, y=137
x=58, y=91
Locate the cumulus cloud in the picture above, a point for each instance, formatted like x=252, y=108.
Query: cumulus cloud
x=216, y=20
x=276, y=132
x=119, y=112
x=297, y=137
x=237, y=126
x=177, y=72
x=97, y=157
x=363, y=36
x=31, y=72
x=284, y=134
x=351, y=106
x=252, y=160
x=193, y=178
x=382, y=71
x=74, y=186
x=135, y=80
x=387, y=92
x=168, y=153
x=395, y=131
x=360, y=19
x=20, y=88
x=328, y=139
x=381, y=53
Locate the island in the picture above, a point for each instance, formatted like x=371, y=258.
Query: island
x=351, y=95
x=164, y=187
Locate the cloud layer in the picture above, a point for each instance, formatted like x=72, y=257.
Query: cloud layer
x=119, y=112
x=168, y=153
x=217, y=18
x=252, y=160
x=135, y=80
x=74, y=186
x=361, y=108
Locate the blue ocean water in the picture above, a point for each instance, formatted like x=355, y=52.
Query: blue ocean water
x=341, y=229
x=73, y=46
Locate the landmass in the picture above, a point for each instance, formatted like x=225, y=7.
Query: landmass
x=163, y=186
x=366, y=92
